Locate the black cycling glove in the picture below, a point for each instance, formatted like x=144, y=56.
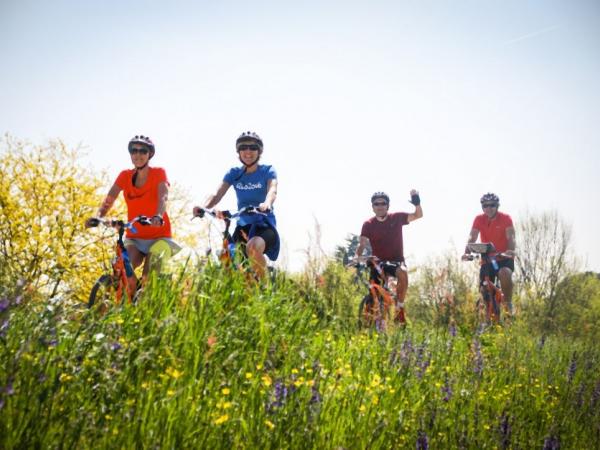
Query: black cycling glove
x=415, y=199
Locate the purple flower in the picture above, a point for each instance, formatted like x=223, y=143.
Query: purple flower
x=505, y=431
x=447, y=390
x=452, y=329
x=595, y=395
x=280, y=393
x=572, y=368
x=478, y=358
x=422, y=441
x=551, y=443
x=315, y=397
x=4, y=303
x=115, y=346
x=9, y=390
x=3, y=328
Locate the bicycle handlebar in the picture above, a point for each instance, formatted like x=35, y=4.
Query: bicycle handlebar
x=115, y=223
x=228, y=214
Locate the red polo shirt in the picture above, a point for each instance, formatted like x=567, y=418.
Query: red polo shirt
x=494, y=230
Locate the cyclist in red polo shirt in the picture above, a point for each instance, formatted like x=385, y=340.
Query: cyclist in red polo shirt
x=384, y=233
x=497, y=228
x=146, y=190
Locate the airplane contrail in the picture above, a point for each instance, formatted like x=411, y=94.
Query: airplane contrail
x=530, y=35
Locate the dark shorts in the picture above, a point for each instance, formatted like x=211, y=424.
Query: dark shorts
x=488, y=269
x=389, y=268
x=267, y=234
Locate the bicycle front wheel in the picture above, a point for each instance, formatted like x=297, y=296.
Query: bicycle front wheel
x=366, y=313
x=103, y=292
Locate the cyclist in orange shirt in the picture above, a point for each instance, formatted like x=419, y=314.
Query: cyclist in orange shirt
x=146, y=190
x=497, y=228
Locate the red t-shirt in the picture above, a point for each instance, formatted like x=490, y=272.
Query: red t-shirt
x=144, y=201
x=386, y=237
x=494, y=230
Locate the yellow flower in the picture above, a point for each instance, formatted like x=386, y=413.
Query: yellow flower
x=248, y=375
x=174, y=372
x=171, y=392
x=64, y=377
x=225, y=391
x=108, y=417
x=375, y=400
x=259, y=366
x=362, y=408
x=136, y=320
x=266, y=379
x=222, y=419
x=269, y=424
x=294, y=371
x=120, y=321
x=145, y=385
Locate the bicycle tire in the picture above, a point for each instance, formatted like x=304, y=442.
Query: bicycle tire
x=102, y=291
x=365, y=312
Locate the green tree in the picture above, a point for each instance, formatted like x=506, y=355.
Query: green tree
x=45, y=196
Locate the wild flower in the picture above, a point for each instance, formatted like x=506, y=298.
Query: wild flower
x=4, y=328
x=572, y=368
x=278, y=396
x=477, y=358
x=422, y=441
x=4, y=304
x=505, y=430
x=551, y=443
x=447, y=390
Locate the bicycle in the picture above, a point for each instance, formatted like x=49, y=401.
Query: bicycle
x=122, y=282
x=227, y=253
x=374, y=309
x=492, y=297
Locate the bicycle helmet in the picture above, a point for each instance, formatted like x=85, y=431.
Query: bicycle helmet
x=490, y=198
x=252, y=136
x=380, y=194
x=145, y=140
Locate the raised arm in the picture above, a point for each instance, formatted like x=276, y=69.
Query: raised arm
x=415, y=200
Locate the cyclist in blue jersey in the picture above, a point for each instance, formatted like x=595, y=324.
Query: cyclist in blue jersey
x=255, y=185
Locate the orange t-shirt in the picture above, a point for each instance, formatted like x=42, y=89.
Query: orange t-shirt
x=494, y=230
x=144, y=201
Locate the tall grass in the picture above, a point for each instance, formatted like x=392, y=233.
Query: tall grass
x=212, y=360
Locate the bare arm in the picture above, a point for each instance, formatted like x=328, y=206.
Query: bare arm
x=473, y=235
x=362, y=244
x=512, y=243
x=271, y=195
x=163, y=196
x=217, y=196
x=109, y=200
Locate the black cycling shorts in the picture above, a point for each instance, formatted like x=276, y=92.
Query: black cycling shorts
x=488, y=269
x=266, y=233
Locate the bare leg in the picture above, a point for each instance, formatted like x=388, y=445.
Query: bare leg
x=255, y=249
x=505, y=275
x=401, y=288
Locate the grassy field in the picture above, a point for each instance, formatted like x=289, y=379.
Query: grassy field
x=210, y=361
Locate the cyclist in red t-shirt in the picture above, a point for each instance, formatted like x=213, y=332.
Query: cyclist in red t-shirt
x=145, y=190
x=497, y=228
x=384, y=233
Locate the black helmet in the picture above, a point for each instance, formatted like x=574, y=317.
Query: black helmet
x=489, y=198
x=252, y=136
x=380, y=194
x=140, y=139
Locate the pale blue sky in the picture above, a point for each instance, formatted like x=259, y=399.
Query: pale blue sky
x=452, y=98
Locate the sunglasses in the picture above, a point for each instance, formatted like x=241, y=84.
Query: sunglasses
x=252, y=147
x=489, y=205
x=143, y=150
x=379, y=204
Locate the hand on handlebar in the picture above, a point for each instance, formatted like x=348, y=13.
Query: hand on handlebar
x=264, y=207
x=467, y=257
x=92, y=222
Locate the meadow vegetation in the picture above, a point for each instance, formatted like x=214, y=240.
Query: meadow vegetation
x=209, y=359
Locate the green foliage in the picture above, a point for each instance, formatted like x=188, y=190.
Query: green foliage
x=212, y=360
x=45, y=196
